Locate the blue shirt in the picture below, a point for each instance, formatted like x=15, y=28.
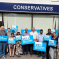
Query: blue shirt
x=26, y=34
x=57, y=42
x=40, y=37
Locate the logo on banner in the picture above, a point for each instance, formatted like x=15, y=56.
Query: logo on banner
x=38, y=44
x=3, y=38
x=26, y=7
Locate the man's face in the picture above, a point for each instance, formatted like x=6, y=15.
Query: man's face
x=12, y=35
x=2, y=28
x=49, y=31
x=41, y=32
x=26, y=30
x=8, y=30
x=33, y=29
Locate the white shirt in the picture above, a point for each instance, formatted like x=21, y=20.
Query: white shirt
x=35, y=34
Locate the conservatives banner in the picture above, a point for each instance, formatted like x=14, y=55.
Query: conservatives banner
x=23, y=7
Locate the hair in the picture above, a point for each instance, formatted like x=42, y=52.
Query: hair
x=26, y=28
x=8, y=28
x=41, y=30
x=12, y=33
x=54, y=32
x=49, y=29
x=19, y=33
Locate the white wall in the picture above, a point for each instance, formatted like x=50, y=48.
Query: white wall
x=32, y=1
x=44, y=22
x=21, y=20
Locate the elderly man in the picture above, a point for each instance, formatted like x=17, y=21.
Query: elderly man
x=35, y=34
x=2, y=44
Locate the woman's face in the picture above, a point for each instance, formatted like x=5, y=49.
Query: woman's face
x=12, y=35
x=54, y=34
x=18, y=33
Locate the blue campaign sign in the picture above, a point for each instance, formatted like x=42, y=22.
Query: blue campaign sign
x=39, y=46
x=18, y=38
x=52, y=43
x=55, y=31
x=14, y=28
x=23, y=30
x=3, y=38
x=47, y=37
x=38, y=31
x=27, y=40
x=11, y=41
x=6, y=30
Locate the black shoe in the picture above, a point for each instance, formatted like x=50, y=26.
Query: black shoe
x=39, y=55
x=18, y=56
x=47, y=57
x=42, y=57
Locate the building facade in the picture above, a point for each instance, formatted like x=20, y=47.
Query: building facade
x=41, y=14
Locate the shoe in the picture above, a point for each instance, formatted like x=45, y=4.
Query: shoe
x=31, y=55
x=42, y=57
x=27, y=55
x=47, y=57
x=18, y=56
x=39, y=55
x=4, y=56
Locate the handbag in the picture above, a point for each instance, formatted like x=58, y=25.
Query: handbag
x=11, y=46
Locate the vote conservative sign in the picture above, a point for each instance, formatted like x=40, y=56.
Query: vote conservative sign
x=3, y=38
x=11, y=41
x=39, y=46
x=52, y=43
x=47, y=37
x=27, y=40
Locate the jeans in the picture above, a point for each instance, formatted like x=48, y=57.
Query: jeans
x=31, y=48
x=2, y=45
x=25, y=47
x=43, y=53
x=47, y=51
x=53, y=53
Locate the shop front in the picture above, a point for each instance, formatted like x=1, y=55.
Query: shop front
x=40, y=16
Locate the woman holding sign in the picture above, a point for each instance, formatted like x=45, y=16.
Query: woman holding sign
x=18, y=45
x=54, y=49
x=11, y=45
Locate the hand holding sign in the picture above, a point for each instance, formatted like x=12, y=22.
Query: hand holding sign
x=52, y=43
x=39, y=46
x=11, y=41
x=27, y=40
x=47, y=37
x=14, y=27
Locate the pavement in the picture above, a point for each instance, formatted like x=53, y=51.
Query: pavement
x=23, y=57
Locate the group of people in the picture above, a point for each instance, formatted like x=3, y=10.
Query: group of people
x=19, y=49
